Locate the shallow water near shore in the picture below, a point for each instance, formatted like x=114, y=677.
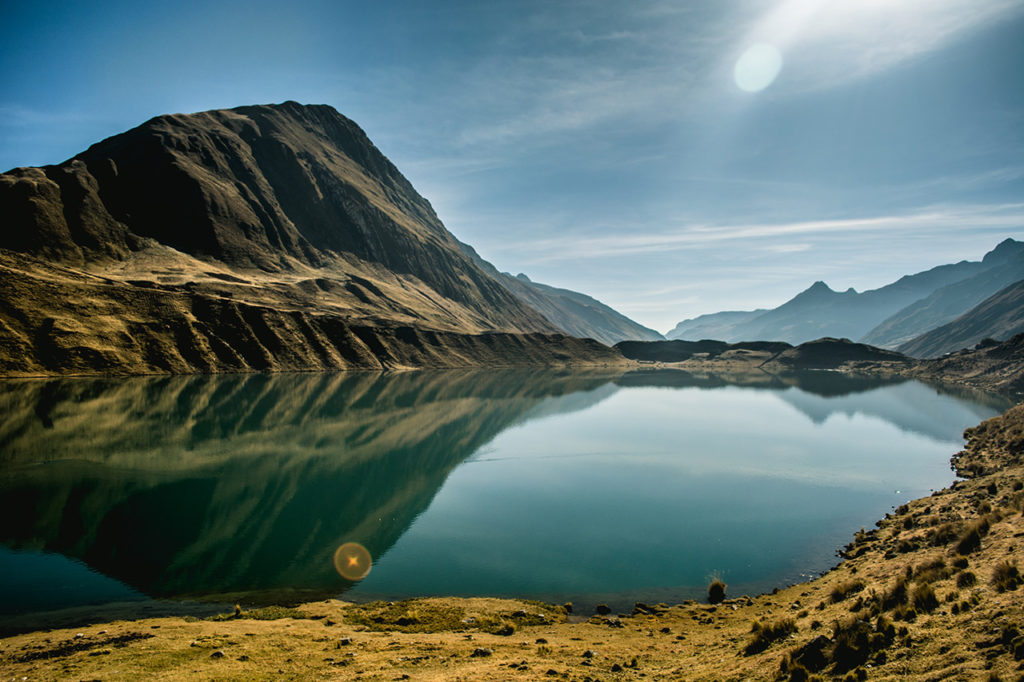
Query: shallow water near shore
x=560, y=486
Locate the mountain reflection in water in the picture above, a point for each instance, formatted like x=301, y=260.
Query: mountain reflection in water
x=247, y=484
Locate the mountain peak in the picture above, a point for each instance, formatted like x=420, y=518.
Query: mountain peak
x=819, y=288
x=1005, y=251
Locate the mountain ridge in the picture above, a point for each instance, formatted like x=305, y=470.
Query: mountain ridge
x=998, y=318
x=869, y=316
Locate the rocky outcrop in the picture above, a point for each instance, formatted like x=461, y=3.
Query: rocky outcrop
x=992, y=367
x=829, y=353
x=678, y=351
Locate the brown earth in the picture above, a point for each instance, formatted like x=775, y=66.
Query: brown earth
x=932, y=593
x=161, y=312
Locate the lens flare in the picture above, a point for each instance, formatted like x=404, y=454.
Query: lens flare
x=352, y=561
x=757, y=68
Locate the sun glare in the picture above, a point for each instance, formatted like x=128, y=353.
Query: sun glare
x=757, y=67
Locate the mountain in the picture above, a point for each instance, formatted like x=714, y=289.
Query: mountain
x=829, y=353
x=678, y=350
x=713, y=325
x=272, y=237
x=571, y=311
x=1004, y=266
x=820, y=311
x=998, y=317
x=993, y=367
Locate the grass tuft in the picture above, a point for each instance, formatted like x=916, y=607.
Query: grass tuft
x=844, y=590
x=716, y=591
x=1006, y=576
x=766, y=635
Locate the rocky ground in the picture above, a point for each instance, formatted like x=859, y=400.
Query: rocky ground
x=931, y=593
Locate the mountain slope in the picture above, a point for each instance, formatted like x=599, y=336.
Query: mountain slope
x=571, y=311
x=998, y=317
x=164, y=247
x=819, y=311
x=713, y=325
x=1005, y=266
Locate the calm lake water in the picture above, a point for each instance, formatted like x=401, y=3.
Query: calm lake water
x=559, y=486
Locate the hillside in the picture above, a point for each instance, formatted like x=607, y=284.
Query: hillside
x=712, y=325
x=572, y=312
x=270, y=237
x=1005, y=265
x=998, y=317
x=679, y=351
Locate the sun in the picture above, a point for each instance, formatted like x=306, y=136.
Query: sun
x=757, y=67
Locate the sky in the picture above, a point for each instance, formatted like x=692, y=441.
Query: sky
x=668, y=158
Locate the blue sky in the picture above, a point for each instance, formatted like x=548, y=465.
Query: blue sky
x=668, y=158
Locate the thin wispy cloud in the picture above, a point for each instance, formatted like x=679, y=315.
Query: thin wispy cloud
x=935, y=220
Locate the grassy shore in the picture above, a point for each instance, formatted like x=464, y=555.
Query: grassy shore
x=931, y=593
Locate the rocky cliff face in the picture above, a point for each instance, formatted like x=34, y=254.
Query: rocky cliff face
x=261, y=237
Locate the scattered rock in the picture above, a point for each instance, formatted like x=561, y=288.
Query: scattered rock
x=481, y=652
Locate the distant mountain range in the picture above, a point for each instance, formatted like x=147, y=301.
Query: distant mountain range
x=890, y=317
x=272, y=237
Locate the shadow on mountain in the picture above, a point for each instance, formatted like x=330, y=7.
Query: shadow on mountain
x=242, y=487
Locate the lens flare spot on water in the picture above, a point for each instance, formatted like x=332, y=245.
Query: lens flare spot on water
x=352, y=561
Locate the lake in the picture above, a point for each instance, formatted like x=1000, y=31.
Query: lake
x=561, y=486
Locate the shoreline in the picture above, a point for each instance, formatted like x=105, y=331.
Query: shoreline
x=904, y=603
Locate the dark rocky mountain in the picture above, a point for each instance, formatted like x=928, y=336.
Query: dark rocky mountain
x=1004, y=265
x=998, y=318
x=829, y=353
x=990, y=366
x=264, y=237
x=819, y=311
x=677, y=350
x=572, y=312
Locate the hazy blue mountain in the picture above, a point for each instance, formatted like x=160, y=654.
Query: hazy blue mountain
x=712, y=326
x=575, y=313
x=1002, y=267
x=819, y=311
x=998, y=317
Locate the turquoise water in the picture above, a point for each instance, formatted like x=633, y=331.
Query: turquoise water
x=558, y=486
